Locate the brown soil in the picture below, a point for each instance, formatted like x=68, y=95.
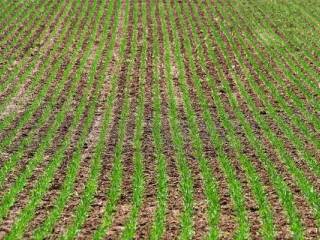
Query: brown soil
x=23, y=196
x=302, y=206
x=41, y=132
x=84, y=165
x=96, y=212
x=18, y=103
x=118, y=67
x=276, y=129
x=150, y=200
x=23, y=98
x=22, y=32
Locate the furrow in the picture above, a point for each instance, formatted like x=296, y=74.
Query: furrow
x=10, y=196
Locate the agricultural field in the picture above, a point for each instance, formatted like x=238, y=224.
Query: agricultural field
x=196, y=119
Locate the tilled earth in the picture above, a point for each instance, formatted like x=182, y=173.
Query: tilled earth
x=159, y=119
